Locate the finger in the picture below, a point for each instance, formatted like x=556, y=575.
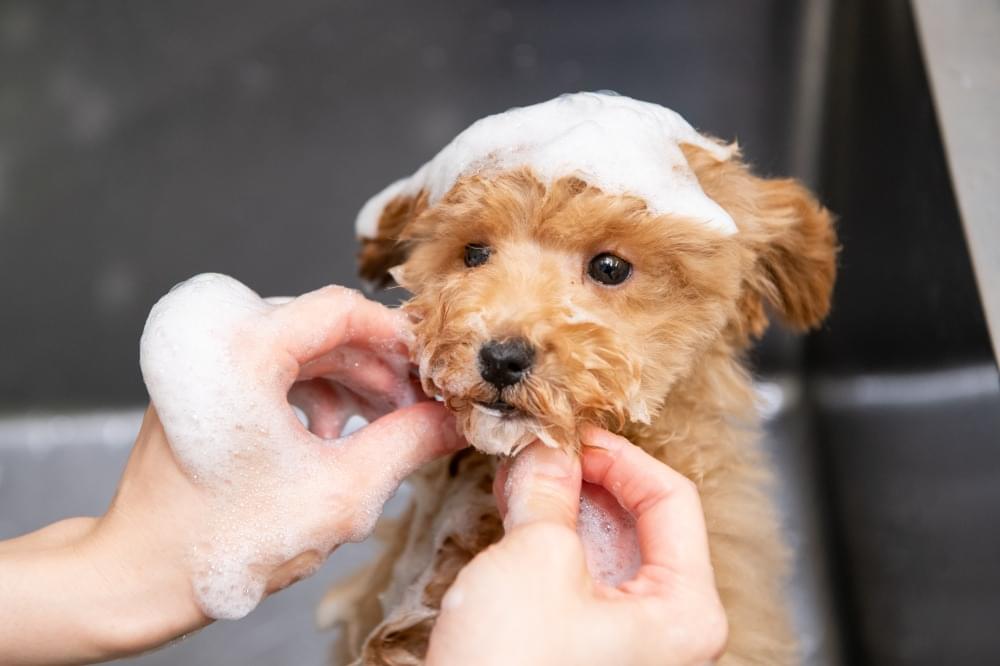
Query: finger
x=543, y=484
x=326, y=406
x=392, y=447
x=380, y=378
x=669, y=518
x=315, y=323
x=351, y=365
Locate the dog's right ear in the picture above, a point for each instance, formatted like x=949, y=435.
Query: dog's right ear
x=386, y=247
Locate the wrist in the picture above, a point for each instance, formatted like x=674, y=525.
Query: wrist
x=139, y=551
x=140, y=585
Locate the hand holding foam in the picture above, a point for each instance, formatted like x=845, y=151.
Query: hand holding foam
x=269, y=498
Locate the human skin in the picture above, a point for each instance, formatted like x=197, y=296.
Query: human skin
x=529, y=599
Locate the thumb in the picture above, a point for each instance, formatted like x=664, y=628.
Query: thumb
x=543, y=484
x=402, y=441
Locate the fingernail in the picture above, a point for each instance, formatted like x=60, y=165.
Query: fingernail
x=546, y=461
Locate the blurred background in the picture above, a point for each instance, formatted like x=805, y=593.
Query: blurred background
x=142, y=142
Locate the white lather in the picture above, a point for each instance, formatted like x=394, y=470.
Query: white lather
x=616, y=143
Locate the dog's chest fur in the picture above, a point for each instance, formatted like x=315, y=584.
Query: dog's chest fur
x=707, y=431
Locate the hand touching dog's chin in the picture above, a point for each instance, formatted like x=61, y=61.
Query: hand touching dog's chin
x=502, y=434
x=607, y=531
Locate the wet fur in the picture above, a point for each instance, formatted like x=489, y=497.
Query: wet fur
x=666, y=347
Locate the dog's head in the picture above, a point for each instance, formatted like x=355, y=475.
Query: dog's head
x=538, y=307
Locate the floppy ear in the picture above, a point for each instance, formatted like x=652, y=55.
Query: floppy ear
x=386, y=248
x=788, y=238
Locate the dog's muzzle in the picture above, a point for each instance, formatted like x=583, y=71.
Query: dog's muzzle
x=505, y=363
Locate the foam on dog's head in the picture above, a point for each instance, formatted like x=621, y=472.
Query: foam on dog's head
x=619, y=144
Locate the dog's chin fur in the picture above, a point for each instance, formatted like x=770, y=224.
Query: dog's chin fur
x=502, y=435
x=657, y=359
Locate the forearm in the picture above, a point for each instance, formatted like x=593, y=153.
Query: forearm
x=56, y=534
x=75, y=592
x=43, y=619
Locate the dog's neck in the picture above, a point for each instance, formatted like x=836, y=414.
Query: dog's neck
x=712, y=409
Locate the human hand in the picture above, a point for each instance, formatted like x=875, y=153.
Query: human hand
x=269, y=499
x=529, y=599
x=230, y=497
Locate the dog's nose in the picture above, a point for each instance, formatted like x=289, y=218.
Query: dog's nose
x=505, y=363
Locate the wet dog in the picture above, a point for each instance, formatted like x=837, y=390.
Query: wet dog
x=546, y=297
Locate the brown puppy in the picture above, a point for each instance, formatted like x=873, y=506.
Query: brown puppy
x=540, y=304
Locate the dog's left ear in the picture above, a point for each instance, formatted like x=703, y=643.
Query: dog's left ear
x=383, y=246
x=788, y=237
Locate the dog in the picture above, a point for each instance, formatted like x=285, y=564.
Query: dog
x=591, y=259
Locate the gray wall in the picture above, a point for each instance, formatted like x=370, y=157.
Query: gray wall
x=144, y=141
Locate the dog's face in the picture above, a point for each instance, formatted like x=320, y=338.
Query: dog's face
x=538, y=308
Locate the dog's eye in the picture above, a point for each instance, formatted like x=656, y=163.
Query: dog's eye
x=606, y=268
x=476, y=254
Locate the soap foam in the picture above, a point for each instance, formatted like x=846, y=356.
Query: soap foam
x=609, y=537
x=621, y=145
x=207, y=360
